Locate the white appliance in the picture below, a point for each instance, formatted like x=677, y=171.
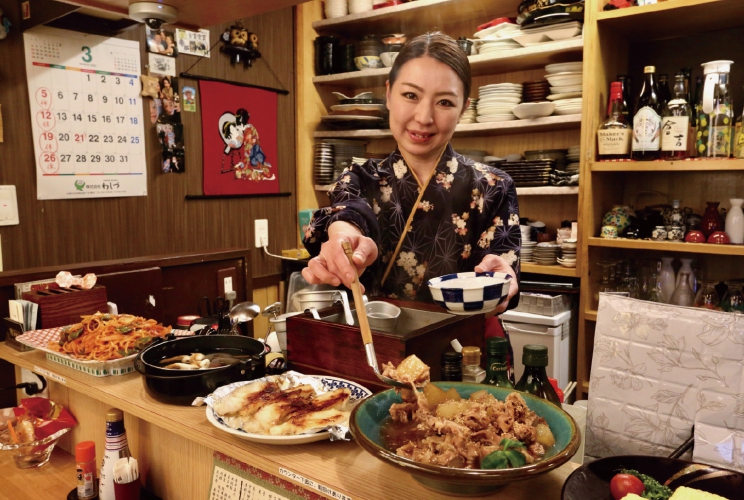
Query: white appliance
x=554, y=332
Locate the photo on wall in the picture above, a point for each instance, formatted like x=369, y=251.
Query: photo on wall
x=161, y=42
x=189, y=98
x=173, y=162
x=170, y=100
x=170, y=136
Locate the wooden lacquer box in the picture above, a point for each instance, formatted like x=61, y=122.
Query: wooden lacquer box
x=331, y=347
x=64, y=306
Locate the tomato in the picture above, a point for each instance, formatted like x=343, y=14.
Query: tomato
x=624, y=484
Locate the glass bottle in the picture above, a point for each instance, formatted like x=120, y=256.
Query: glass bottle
x=471, y=370
x=654, y=294
x=716, y=118
x=498, y=369
x=664, y=94
x=534, y=378
x=707, y=296
x=452, y=366
x=613, y=135
x=647, y=119
x=634, y=290
x=675, y=123
x=627, y=83
x=683, y=294
x=116, y=447
x=739, y=137
x=733, y=300
x=687, y=72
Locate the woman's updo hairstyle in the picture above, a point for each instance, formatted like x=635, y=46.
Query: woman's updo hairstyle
x=438, y=46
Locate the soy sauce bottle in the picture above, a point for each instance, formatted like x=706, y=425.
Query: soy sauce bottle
x=534, y=379
x=452, y=366
x=497, y=373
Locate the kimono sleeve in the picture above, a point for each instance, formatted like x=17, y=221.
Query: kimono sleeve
x=352, y=197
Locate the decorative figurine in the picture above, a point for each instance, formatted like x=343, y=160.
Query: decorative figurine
x=240, y=45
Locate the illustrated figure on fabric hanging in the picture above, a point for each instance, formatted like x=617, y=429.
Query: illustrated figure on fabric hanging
x=243, y=154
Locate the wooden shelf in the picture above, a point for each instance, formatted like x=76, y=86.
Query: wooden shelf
x=691, y=165
x=418, y=17
x=549, y=123
x=590, y=315
x=672, y=19
x=548, y=190
x=668, y=246
x=528, y=267
x=526, y=58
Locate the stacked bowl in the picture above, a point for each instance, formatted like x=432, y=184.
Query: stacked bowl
x=324, y=163
x=471, y=113
x=546, y=253
x=527, y=244
x=496, y=101
x=536, y=91
x=568, y=253
x=336, y=8
x=565, y=86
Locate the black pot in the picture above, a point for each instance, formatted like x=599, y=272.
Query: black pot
x=182, y=387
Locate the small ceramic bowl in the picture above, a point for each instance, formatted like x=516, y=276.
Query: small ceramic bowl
x=695, y=236
x=394, y=39
x=719, y=237
x=609, y=232
x=470, y=293
x=368, y=416
x=368, y=62
x=388, y=58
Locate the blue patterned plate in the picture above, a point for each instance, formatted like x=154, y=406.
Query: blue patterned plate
x=358, y=392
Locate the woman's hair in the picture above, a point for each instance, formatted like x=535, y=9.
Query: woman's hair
x=438, y=46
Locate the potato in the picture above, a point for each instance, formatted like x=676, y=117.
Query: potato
x=479, y=394
x=544, y=435
x=453, y=395
x=411, y=367
x=449, y=409
x=434, y=395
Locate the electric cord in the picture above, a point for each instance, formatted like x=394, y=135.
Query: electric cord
x=277, y=256
x=31, y=388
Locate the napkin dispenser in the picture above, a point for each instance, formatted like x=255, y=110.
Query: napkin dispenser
x=331, y=347
x=64, y=306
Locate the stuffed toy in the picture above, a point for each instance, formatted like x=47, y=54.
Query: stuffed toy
x=150, y=86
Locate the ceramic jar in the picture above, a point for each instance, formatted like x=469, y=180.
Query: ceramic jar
x=719, y=237
x=676, y=233
x=359, y=6
x=695, y=236
x=667, y=280
x=735, y=222
x=659, y=233
x=675, y=216
x=712, y=220
x=609, y=232
x=618, y=216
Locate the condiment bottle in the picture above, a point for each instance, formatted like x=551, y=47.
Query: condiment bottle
x=471, y=370
x=452, y=366
x=116, y=447
x=613, y=136
x=498, y=368
x=647, y=119
x=534, y=379
x=85, y=456
x=675, y=123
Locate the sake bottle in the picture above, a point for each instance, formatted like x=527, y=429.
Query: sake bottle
x=647, y=120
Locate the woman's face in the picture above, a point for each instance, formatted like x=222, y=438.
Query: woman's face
x=425, y=103
x=154, y=110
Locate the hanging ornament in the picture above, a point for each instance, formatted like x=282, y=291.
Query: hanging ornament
x=240, y=45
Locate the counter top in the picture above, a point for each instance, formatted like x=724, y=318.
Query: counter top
x=55, y=477
x=341, y=466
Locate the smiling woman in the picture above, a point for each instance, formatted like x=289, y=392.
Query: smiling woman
x=424, y=211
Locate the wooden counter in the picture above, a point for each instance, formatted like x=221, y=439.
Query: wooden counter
x=174, y=444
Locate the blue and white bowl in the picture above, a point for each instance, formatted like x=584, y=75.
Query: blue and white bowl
x=470, y=293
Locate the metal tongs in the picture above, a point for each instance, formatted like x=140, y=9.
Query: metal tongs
x=369, y=347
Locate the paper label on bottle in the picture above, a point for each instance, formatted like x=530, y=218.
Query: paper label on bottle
x=614, y=141
x=646, y=130
x=674, y=130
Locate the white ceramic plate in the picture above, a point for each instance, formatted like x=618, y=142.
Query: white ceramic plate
x=565, y=79
x=562, y=89
x=493, y=119
x=357, y=392
x=564, y=67
x=533, y=110
x=562, y=33
x=495, y=29
x=531, y=38
x=566, y=95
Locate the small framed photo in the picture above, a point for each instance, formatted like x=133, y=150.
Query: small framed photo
x=161, y=42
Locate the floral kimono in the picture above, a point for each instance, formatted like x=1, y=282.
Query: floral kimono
x=467, y=210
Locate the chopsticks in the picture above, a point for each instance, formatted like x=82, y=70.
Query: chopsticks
x=568, y=390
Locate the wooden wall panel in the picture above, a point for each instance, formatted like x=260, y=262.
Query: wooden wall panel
x=58, y=232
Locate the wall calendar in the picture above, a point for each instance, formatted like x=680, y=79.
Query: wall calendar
x=86, y=115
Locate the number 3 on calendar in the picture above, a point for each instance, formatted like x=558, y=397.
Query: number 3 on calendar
x=87, y=56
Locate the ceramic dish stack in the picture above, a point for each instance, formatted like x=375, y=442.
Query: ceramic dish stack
x=471, y=113
x=529, y=173
x=343, y=152
x=505, y=30
x=537, y=91
x=565, y=84
x=474, y=154
x=528, y=245
x=496, y=45
x=336, y=8
x=568, y=175
x=324, y=163
x=540, y=33
x=546, y=253
x=568, y=253
x=496, y=101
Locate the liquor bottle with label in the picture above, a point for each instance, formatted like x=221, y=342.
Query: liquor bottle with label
x=647, y=120
x=627, y=83
x=117, y=447
x=664, y=93
x=534, y=378
x=452, y=366
x=497, y=349
x=675, y=123
x=696, y=104
x=613, y=136
x=716, y=120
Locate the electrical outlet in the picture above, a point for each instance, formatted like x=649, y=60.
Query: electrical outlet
x=261, y=232
x=226, y=281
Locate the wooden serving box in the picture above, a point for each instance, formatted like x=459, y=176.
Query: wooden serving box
x=331, y=347
x=64, y=306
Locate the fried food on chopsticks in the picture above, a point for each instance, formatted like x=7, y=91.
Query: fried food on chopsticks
x=104, y=337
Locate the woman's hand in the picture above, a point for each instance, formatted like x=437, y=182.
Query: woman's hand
x=494, y=263
x=332, y=266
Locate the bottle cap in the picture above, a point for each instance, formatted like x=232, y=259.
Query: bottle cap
x=471, y=355
x=114, y=415
x=649, y=69
x=85, y=451
x=535, y=355
x=451, y=358
x=496, y=346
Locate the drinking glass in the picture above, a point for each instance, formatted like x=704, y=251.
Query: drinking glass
x=707, y=296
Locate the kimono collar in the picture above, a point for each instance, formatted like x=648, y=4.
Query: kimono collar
x=446, y=154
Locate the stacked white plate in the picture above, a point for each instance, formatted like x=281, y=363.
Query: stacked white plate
x=496, y=101
x=565, y=87
x=555, y=32
x=503, y=30
x=470, y=115
x=567, y=106
x=497, y=45
x=527, y=244
x=336, y=8
x=546, y=253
